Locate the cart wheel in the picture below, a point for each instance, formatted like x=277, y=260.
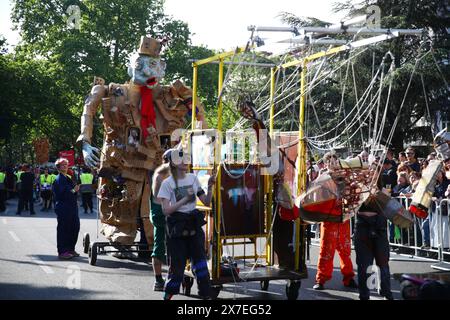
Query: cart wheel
x=264, y=285
x=86, y=242
x=187, y=285
x=292, y=289
x=215, y=290
x=93, y=249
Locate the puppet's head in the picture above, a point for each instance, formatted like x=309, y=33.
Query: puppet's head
x=146, y=67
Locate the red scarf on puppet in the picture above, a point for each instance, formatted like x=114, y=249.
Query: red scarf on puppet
x=148, y=115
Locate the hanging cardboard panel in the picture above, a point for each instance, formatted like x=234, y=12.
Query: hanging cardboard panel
x=242, y=200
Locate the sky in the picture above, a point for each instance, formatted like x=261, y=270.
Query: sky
x=219, y=24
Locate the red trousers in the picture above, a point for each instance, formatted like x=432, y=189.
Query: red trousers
x=334, y=236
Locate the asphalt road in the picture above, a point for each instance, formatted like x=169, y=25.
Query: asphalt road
x=30, y=268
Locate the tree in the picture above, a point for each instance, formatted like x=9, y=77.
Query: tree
x=51, y=71
x=395, y=14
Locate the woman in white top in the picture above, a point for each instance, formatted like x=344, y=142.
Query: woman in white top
x=185, y=236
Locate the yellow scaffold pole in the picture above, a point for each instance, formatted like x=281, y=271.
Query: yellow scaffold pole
x=301, y=185
x=218, y=181
x=270, y=177
x=194, y=94
x=219, y=56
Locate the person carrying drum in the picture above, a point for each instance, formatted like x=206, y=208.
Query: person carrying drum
x=371, y=242
x=185, y=236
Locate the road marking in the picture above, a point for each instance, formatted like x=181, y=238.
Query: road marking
x=265, y=292
x=4, y=221
x=43, y=266
x=14, y=236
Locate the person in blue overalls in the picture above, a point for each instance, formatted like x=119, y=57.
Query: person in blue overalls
x=185, y=238
x=66, y=208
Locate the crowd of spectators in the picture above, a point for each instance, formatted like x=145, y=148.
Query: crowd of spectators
x=400, y=177
x=31, y=184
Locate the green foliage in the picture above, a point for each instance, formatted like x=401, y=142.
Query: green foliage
x=50, y=73
x=395, y=14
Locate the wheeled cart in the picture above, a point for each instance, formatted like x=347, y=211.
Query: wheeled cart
x=93, y=249
x=236, y=223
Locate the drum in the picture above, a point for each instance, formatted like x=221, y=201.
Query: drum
x=421, y=199
x=391, y=209
x=321, y=202
x=242, y=196
x=337, y=195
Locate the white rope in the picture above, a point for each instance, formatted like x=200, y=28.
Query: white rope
x=356, y=97
x=428, y=107
x=352, y=123
x=232, y=176
x=439, y=69
x=325, y=76
x=363, y=97
x=391, y=134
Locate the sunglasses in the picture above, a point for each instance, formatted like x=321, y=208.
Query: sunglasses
x=410, y=153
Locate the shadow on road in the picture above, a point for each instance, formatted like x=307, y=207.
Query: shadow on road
x=15, y=291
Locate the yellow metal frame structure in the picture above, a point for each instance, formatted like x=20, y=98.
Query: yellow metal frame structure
x=217, y=220
x=301, y=186
x=269, y=179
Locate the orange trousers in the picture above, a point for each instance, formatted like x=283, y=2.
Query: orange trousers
x=334, y=236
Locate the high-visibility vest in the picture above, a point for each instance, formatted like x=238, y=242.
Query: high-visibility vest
x=2, y=181
x=86, y=178
x=86, y=183
x=18, y=174
x=46, y=182
x=53, y=177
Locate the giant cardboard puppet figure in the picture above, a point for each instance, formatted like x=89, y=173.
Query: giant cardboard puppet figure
x=422, y=198
x=134, y=116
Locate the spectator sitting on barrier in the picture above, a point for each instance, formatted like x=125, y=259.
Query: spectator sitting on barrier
x=402, y=184
x=414, y=179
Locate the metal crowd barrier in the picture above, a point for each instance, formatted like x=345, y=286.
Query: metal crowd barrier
x=428, y=237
